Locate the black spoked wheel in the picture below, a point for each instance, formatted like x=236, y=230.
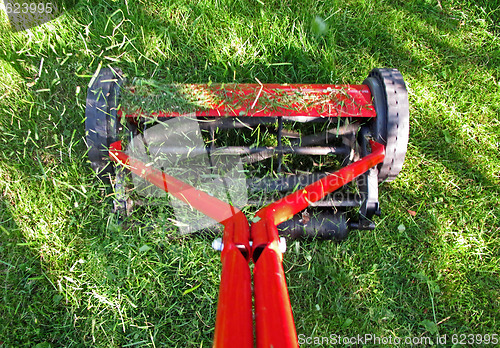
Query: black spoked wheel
x=101, y=119
x=392, y=124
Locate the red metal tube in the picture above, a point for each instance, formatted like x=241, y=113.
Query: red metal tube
x=315, y=100
x=218, y=210
x=274, y=320
x=234, y=326
x=273, y=313
x=286, y=207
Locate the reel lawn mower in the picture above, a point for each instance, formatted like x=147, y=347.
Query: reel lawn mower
x=301, y=160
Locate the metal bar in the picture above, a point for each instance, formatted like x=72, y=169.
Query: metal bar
x=234, y=323
x=253, y=121
x=245, y=150
x=325, y=137
x=320, y=225
x=270, y=100
x=212, y=137
x=283, y=183
x=313, y=139
x=233, y=122
x=244, y=121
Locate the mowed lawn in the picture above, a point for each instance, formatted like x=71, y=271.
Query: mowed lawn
x=71, y=276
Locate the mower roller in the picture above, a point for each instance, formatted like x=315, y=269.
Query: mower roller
x=303, y=160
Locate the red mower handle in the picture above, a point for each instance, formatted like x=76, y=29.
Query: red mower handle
x=273, y=314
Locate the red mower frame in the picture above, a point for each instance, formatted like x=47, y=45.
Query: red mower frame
x=274, y=321
x=258, y=242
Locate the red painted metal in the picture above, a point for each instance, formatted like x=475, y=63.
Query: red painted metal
x=273, y=314
x=316, y=100
x=234, y=327
x=274, y=319
x=286, y=207
x=218, y=210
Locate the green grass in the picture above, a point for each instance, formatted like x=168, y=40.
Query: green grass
x=71, y=277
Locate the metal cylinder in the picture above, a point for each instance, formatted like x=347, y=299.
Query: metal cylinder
x=245, y=150
x=322, y=225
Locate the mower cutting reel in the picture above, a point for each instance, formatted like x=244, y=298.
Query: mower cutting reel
x=305, y=160
x=346, y=117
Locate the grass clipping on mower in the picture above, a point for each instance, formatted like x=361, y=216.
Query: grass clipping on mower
x=148, y=97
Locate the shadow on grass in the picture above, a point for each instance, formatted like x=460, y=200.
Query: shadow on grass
x=30, y=303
